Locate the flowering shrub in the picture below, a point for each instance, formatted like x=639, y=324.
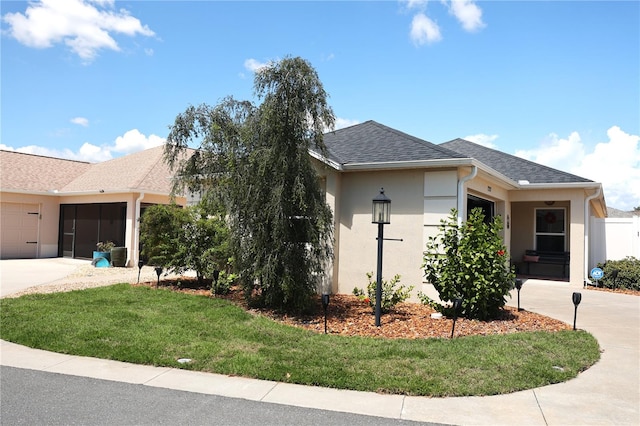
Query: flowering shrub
x=469, y=262
x=391, y=295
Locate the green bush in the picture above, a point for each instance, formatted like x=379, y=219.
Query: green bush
x=469, y=262
x=392, y=293
x=181, y=239
x=628, y=275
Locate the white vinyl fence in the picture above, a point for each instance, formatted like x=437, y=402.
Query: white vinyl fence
x=614, y=239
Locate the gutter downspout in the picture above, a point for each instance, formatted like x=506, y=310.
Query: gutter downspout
x=587, y=225
x=461, y=183
x=135, y=255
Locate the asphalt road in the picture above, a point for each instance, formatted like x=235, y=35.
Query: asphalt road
x=31, y=397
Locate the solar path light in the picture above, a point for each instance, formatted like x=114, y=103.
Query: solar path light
x=158, y=272
x=518, y=287
x=325, y=306
x=140, y=265
x=456, y=306
x=577, y=297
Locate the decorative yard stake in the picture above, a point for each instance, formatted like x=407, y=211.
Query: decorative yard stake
x=577, y=297
x=456, y=305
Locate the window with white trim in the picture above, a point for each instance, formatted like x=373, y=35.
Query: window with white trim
x=550, y=230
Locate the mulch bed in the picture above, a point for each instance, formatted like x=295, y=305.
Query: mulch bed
x=349, y=316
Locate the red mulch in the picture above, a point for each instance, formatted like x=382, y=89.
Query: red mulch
x=347, y=315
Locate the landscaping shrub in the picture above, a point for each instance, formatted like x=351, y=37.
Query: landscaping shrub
x=392, y=293
x=469, y=262
x=181, y=239
x=627, y=275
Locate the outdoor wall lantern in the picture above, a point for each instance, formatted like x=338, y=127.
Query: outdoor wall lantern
x=380, y=214
x=518, y=287
x=325, y=306
x=577, y=297
x=140, y=265
x=158, y=272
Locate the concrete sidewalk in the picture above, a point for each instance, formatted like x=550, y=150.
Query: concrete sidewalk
x=607, y=393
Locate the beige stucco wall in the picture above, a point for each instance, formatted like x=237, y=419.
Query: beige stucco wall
x=358, y=236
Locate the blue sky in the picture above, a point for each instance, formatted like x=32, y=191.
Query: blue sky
x=557, y=82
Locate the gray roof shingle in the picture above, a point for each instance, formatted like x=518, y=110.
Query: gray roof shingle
x=371, y=142
x=513, y=167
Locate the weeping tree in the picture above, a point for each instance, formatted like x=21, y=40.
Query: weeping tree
x=254, y=161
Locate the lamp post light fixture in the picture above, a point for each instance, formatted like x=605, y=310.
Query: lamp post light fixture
x=576, y=297
x=325, y=305
x=140, y=265
x=158, y=272
x=518, y=287
x=380, y=214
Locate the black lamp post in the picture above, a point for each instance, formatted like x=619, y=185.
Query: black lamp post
x=158, y=272
x=325, y=305
x=577, y=297
x=140, y=265
x=518, y=287
x=380, y=214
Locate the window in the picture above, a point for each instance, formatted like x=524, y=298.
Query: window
x=550, y=230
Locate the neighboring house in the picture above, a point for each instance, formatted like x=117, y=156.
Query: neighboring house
x=52, y=207
x=542, y=208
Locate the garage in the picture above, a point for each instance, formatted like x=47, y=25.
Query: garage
x=19, y=230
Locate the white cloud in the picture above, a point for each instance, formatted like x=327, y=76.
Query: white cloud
x=467, y=13
x=132, y=141
x=482, y=139
x=81, y=121
x=254, y=65
x=84, y=26
x=424, y=30
x=614, y=163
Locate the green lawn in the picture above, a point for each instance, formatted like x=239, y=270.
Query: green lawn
x=157, y=327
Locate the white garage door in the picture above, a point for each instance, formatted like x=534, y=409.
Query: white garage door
x=19, y=230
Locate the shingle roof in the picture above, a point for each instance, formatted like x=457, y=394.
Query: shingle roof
x=143, y=171
x=140, y=171
x=513, y=167
x=28, y=172
x=371, y=142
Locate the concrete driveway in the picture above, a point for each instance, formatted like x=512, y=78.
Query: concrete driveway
x=20, y=274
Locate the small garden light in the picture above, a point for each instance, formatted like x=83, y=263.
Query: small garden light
x=140, y=265
x=456, y=306
x=325, y=306
x=158, y=272
x=577, y=297
x=518, y=287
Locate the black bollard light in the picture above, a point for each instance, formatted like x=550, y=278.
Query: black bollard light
x=325, y=306
x=140, y=265
x=577, y=297
x=456, y=305
x=518, y=287
x=158, y=272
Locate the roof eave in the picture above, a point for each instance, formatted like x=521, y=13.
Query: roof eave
x=395, y=165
